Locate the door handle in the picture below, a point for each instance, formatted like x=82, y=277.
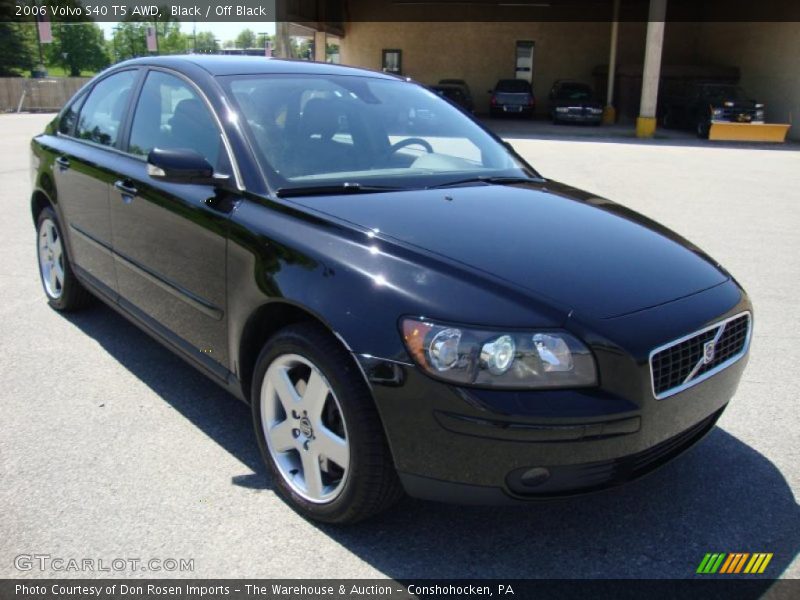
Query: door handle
x=63, y=163
x=127, y=190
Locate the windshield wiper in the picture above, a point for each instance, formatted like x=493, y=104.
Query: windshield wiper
x=333, y=190
x=484, y=179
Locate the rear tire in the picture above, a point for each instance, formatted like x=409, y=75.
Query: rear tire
x=63, y=290
x=312, y=412
x=703, y=129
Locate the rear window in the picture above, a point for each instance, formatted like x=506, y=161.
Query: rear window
x=519, y=86
x=102, y=113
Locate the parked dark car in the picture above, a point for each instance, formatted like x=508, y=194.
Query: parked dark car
x=697, y=105
x=461, y=84
x=402, y=310
x=574, y=102
x=512, y=96
x=454, y=94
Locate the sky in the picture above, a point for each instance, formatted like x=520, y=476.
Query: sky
x=223, y=31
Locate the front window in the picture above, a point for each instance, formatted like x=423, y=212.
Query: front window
x=574, y=92
x=170, y=115
x=332, y=130
x=513, y=86
x=720, y=93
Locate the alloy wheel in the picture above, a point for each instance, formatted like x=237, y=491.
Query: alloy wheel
x=304, y=428
x=51, y=259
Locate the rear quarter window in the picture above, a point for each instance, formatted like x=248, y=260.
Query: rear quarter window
x=66, y=124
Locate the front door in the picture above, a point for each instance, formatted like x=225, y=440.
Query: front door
x=170, y=239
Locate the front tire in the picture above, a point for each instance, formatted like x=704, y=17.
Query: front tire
x=63, y=290
x=318, y=429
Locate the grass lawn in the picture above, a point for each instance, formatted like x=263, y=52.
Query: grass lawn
x=59, y=71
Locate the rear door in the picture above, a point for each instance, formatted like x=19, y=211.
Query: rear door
x=170, y=239
x=86, y=156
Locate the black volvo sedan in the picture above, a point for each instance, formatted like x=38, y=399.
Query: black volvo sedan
x=404, y=302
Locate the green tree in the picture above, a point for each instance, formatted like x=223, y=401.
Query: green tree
x=77, y=47
x=245, y=39
x=17, y=51
x=129, y=40
x=171, y=40
x=206, y=43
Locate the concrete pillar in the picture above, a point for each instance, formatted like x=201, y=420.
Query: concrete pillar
x=646, y=123
x=320, y=40
x=283, y=45
x=609, y=113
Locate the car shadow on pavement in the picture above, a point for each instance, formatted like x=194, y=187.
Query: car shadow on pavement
x=210, y=408
x=720, y=496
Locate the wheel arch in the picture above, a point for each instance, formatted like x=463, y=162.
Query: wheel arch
x=39, y=201
x=263, y=323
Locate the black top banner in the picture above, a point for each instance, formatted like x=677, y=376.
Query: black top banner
x=342, y=11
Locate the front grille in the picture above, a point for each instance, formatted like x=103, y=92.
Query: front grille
x=738, y=115
x=696, y=357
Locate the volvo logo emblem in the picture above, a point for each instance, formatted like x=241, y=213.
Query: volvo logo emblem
x=708, y=351
x=305, y=427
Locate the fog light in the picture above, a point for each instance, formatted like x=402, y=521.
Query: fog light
x=535, y=476
x=499, y=354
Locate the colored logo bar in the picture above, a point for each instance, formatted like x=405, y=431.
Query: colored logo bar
x=733, y=563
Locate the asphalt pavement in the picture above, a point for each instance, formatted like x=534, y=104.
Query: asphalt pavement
x=112, y=447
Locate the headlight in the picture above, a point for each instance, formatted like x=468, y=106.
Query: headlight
x=717, y=113
x=562, y=109
x=596, y=111
x=503, y=359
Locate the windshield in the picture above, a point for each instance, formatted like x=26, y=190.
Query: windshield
x=513, y=86
x=724, y=92
x=334, y=130
x=574, y=92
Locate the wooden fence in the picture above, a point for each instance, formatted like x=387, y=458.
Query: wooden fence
x=50, y=94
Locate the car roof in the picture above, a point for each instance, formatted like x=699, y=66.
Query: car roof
x=218, y=65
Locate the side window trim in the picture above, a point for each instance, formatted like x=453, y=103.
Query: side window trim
x=127, y=120
x=77, y=103
x=230, y=159
x=126, y=114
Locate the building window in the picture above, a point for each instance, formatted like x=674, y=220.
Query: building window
x=392, y=61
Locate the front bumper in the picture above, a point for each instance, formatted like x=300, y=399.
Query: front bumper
x=579, y=117
x=483, y=446
x=513, y=109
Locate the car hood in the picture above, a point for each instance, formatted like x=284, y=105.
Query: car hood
x=557, y=243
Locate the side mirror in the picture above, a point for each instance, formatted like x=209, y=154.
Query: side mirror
x=490, y=91
x=181, y=165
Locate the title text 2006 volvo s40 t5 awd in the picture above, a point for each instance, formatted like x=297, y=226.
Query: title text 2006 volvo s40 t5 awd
x=404, y=302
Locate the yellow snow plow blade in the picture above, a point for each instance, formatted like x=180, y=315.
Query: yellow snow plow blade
x=748, y=132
